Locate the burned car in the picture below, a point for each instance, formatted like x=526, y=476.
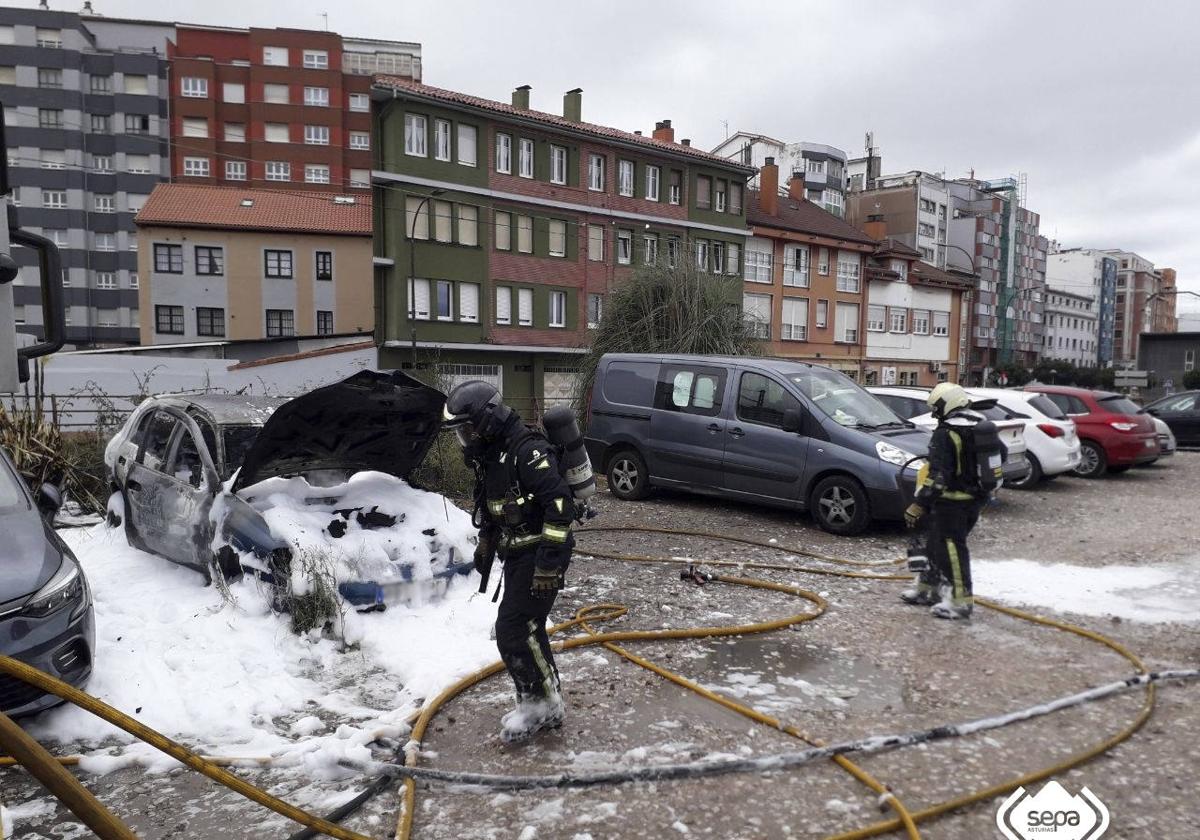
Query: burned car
x=202, y=479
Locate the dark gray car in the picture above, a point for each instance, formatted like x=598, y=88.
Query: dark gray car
x=761, y=430
x=45, y=603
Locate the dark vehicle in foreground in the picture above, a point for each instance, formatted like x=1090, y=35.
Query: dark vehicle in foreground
x=1181, y=413
x=182, y=464
x=45, y=604
x=1114, y=433
x=769, y=431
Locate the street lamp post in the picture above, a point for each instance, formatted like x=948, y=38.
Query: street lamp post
x=964, y=362
x=412, y=272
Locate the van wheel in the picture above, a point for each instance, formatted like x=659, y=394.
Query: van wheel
x=839, y=505
x=628, y=479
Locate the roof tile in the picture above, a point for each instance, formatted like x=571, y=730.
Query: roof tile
x=803, y=217
x=291, y=211
x=555, y=121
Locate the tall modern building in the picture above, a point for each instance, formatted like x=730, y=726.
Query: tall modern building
x=820, y=170
x=85, y=107
x=100, y=109
x=1140, y=305
x=982, y=228
x=1092, y=274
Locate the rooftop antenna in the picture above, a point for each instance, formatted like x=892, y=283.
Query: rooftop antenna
x=326, y=16
x=726, y=124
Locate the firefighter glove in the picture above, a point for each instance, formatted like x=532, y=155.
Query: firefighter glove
x=913, y=514
x=485, y=551
x=546, y=582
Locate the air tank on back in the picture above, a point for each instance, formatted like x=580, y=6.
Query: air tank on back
x=562, y=430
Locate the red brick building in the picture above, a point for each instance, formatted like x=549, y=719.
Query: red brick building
x=279, y=108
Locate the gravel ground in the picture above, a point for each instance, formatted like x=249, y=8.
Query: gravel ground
x=870, y=665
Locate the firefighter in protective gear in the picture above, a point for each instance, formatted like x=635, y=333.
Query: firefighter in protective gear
x=951, y=494
x=524, y=510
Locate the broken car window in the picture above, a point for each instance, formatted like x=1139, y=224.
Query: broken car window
x=158, y=435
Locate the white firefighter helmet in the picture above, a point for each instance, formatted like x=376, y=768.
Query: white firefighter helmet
x=947, y=397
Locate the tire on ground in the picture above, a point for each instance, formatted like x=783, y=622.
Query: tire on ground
x=628, y=478
x=1030, y=481
x=839, y=505
x=1094, y=452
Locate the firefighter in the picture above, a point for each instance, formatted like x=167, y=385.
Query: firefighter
x=524, y=509
x=964, y=466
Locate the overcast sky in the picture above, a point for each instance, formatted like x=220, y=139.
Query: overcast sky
x=1098, y=102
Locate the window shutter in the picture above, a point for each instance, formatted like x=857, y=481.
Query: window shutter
x=503, y=305
x=419, y=297
x=525, y=306
x=468, y=302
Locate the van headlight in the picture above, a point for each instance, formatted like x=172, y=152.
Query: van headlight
x=894, y=454
x=65, y=588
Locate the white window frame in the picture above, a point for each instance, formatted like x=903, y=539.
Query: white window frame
x=316, y=97
x=846, y=334
x=649, y=248
x=316, y=59
x=468, y=224
x=524, y=234
x=503, y=153
x=876, y=318
x=733, y=259
x=316, y=135
x=106, y=280
x=822, y=314
x=418, y=290
x=794, y=329
x=596, y=243
x=275, y=56
x=443, y=221
x=278, y=170
x=360, y=140
x=504, y=302
x=558, y=164
x=919, y=320
x=503, y=230
x=898, y=319
x=557, y=237
x=675, y=191
x=624, y=247
x=761, y=326
x=795, y=269
x=235, y=170
x=196, y=167
x=442, y=144
x=193, y=87
x=468, y=145
x=849, y=272
x=416, y=135
x=525, y=154
x=104, y=242
x=316, y=173
x=558, y=310
x=54, y=199
x=468, y=303
x=703, y=249
x=625, y=173
x=598, y=300
x=524, y=307
x=940, y=323
x=359, y=102
x=233, y=93
x=596, y=174
x=652, y=182
x=758, y=264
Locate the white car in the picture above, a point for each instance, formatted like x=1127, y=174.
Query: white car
x=1051, y=440
x=910, y=404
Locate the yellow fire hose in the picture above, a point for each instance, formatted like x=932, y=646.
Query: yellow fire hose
x=69, y=789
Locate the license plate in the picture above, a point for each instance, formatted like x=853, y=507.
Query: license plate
x=1151, y=443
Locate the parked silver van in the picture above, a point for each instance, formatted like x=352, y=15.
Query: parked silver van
x=777, y=432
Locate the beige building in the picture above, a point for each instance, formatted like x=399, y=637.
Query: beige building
x=224, y=263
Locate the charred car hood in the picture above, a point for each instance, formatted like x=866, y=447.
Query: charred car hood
x=384, y=421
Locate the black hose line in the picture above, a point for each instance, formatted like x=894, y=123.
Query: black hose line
x=340, y=813
x=785, y=760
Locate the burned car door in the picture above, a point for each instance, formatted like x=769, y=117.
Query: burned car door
x=170, y=490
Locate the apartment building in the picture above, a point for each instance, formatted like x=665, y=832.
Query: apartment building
x=822, y=167
x=228, y=263
x=501, y=229
x=277, y=108
x=914, y=312
x=101, y=109
x=84, y=106
x=1141, y=306
x=1089, y=273
x=1072, y=328
x=1163, y=313
x=804, y=278
x=980, y=229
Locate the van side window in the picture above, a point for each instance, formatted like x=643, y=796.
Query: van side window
x=763, y=400
x=692, y=390
x=631, y=383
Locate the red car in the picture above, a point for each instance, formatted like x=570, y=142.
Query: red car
x=1114, y=434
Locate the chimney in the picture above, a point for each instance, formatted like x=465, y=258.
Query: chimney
x=664, y=132
x=638, y=132
x=686, y=141
x=796, y=185
x=87, y=8
x=876, y=227
x=520, y=98
x=768, y=188
x=573, y=105
x=43, y=4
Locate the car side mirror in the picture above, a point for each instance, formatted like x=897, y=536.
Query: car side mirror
x=49, y=500
x=793, y=420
